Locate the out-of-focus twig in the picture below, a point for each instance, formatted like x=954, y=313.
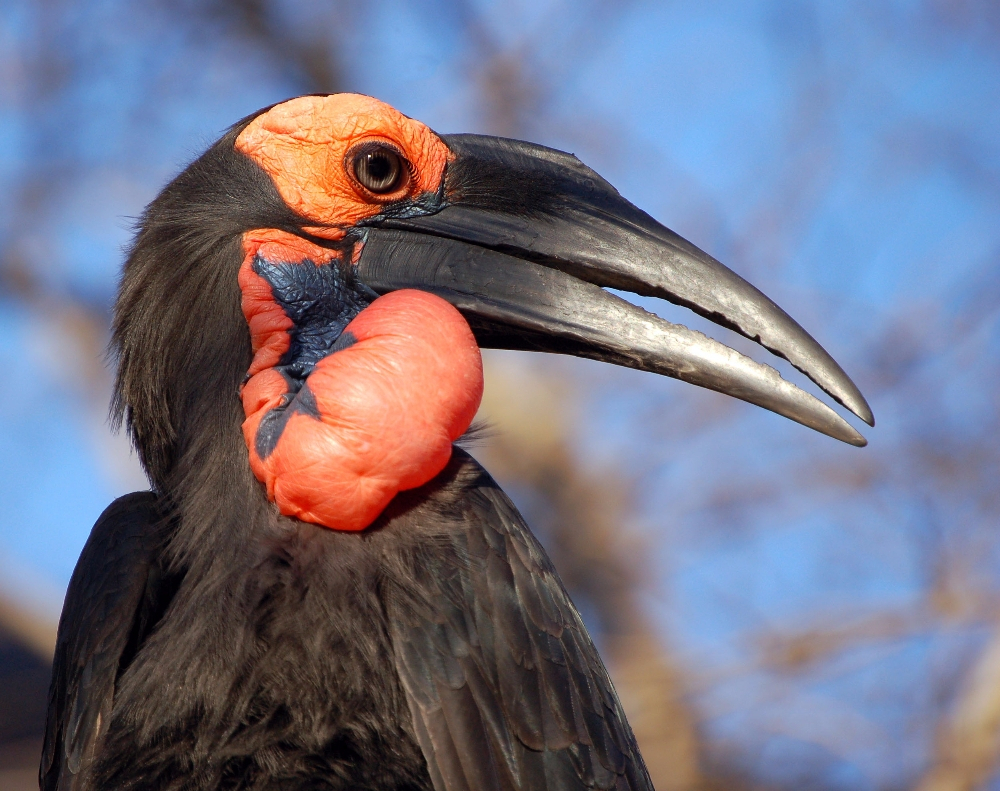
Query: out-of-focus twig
x=968, y=742
x=34, y=631
x=792, y=651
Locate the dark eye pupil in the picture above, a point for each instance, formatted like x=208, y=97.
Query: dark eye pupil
x=379, y=167
x=379, y=170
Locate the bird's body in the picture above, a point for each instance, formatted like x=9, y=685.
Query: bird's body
x=284, y=660
x=320, y=592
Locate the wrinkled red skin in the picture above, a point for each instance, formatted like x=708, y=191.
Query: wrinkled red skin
x=390, y=405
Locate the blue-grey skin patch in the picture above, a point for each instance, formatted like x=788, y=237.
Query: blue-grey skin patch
x=417, y=206
x=274, y=421
x=321, y=301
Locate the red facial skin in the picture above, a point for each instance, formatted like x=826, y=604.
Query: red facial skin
x=389, y=406
x=303, y=144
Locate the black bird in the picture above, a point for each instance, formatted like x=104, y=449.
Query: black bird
x=320, y=591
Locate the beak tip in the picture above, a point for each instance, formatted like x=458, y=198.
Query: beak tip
x=838, y=385
x=863, y=411
x=858, y=441
x=844, y=431
x=859, y=406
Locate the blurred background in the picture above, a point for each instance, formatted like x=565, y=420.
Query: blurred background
x=777, y=610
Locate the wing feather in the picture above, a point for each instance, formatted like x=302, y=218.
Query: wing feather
x=505, y=686
x=101, y=622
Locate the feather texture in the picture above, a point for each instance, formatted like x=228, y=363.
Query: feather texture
x=505, y=685
x=117, y=591
x=437, y=650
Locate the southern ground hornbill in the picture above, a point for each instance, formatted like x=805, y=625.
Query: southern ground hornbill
x=320, y=591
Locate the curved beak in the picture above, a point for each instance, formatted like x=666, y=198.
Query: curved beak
x=524, y=240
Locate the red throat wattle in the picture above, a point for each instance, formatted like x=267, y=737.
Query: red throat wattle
x=386, y=408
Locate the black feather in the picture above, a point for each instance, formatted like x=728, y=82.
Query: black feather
x=547, y=725
x=115, y=597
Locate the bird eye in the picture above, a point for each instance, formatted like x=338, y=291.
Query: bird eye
x=380, y=169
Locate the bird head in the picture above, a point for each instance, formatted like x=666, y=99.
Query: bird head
x=325, y=275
